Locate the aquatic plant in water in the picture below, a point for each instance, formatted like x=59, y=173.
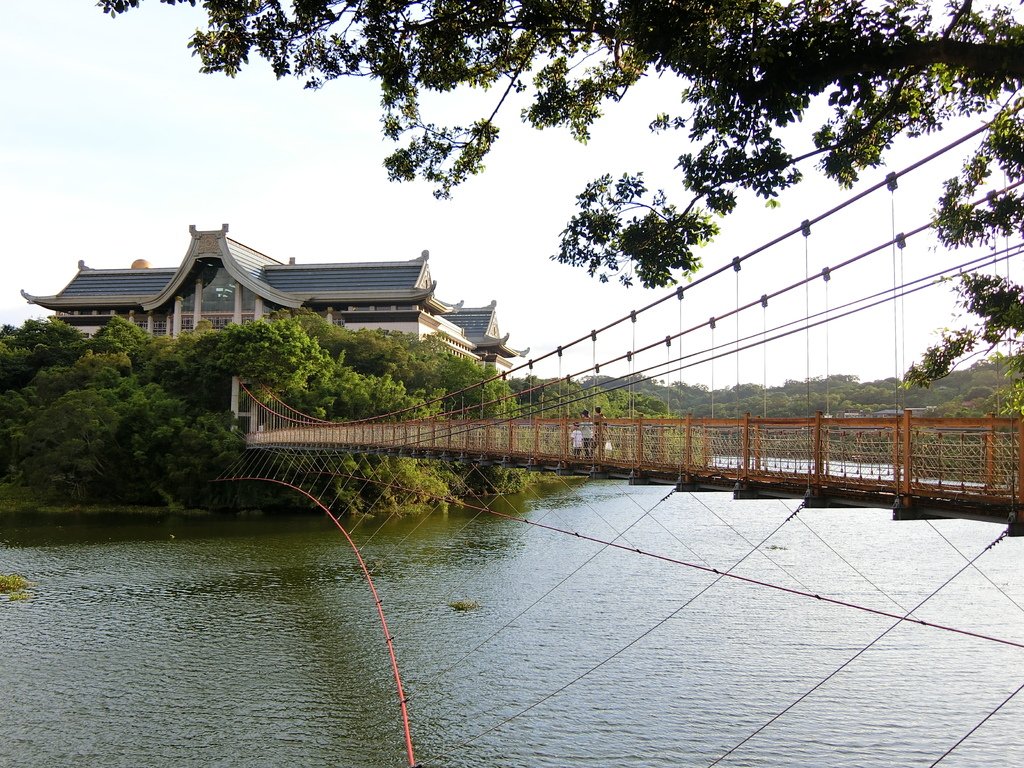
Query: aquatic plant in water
x=14, y=586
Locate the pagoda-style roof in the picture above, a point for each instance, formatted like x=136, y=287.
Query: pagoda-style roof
x=480, y=326
x=106, y=287
x=365, y=282
x=243, y=263
x=359, y=287
x=287, y=285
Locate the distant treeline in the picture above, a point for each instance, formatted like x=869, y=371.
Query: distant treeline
x=128, y=418
x=975, y=391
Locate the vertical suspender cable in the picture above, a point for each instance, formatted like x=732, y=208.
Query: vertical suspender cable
x=736, y=269
x=764, y=351
x=668, y=384
x=805, y=229
x=564, y=408
x=826, y=276
x=891, y=184
x=679, y=369
x=632, y=363
x=711, y=323
x=999, y=362
x=533, y=385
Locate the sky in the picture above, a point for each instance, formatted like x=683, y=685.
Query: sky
x=112, y=143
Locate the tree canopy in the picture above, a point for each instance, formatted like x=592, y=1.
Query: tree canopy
x=129, y=418
x=867, y=71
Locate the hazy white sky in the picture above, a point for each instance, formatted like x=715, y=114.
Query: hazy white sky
x=112, y=144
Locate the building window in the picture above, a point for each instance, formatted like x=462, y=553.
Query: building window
x=219, y=292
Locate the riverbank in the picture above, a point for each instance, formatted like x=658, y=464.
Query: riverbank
x=19, y=500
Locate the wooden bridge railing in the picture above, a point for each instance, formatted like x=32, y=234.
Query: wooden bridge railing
x=965, y=463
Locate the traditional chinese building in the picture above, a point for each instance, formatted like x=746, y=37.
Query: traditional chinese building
x=222, y=281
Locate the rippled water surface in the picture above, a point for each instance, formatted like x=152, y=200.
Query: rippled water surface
x=255, y=642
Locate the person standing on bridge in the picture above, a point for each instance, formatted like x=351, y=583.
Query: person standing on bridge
x=576, y=439
x=587, y=427
x=599, y=440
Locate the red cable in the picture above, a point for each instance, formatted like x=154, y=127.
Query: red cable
x=377, y=601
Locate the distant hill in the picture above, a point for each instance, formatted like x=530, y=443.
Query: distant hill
x=974, y=391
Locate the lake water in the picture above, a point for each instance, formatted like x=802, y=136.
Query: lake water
x=254, y=641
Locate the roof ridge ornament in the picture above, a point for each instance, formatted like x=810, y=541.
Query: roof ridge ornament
x=193, y=230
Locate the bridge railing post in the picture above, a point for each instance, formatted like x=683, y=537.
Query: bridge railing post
x=638, y=456
x=908, y=463
x=688, y=447
x=817, y=453
x=990, y=452
x=1018, y=514
x=565, y=452
x=745, y=469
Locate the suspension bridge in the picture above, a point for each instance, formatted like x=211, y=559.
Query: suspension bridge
x=918, y=465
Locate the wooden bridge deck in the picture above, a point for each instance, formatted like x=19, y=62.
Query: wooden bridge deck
x=919, y=466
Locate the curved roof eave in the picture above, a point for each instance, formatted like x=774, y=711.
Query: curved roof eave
x=401, y=295
x=63, y=302
x=502, y=345
x=192, y=256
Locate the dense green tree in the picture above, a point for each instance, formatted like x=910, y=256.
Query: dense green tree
x=997, y=307
x=767, y=87
x=66, y=445
x=280, y=355
x=128, y=419
x=348, y=394
x=90, y=371
x=47, y=342
x=121, y=336
x=15, y=368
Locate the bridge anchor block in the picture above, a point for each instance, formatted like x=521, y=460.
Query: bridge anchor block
x=904, y=511
x=638, y=479
x=741, y=492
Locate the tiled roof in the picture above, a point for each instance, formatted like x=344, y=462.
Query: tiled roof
x=117, y=282
x=324, y=278
x=252, y=261
x=475, y=321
